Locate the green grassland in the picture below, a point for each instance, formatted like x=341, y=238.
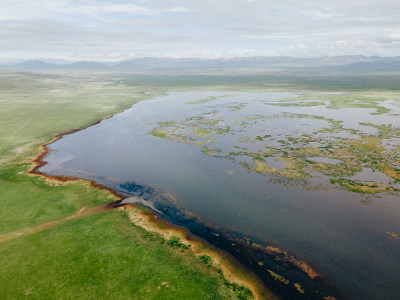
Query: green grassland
x=249, y=80
x=101, y=256
x=104, y=256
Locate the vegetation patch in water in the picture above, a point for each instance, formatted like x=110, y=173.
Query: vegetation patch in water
x=317, y=147
x=299, y=288
x=393, y=235
x=344, y=100
x=278, y=277
x=200, y=101
x=360, y=187
x=299, y=103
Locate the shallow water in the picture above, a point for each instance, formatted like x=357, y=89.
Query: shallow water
x=329, y=228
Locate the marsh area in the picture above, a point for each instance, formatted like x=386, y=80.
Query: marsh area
x=316, y=174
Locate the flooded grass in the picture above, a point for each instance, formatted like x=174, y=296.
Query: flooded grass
x=312, y=148
x=263, y=172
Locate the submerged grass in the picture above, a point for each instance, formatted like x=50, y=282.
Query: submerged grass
x=278, y=277
x=290, y=155
x=360, y=187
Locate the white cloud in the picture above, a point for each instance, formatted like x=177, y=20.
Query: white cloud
x=341, y=43
x=395, y=36
x=118, y=28
x=130, y=8
x=178, y=9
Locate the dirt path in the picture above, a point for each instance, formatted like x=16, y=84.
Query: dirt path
x=47, y=225
x=18, y=129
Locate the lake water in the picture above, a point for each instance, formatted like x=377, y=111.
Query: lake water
x=329, y=228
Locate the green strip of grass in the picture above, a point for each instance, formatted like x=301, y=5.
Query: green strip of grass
x=101, y=256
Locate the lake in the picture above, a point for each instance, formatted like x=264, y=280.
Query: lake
x=262, y=168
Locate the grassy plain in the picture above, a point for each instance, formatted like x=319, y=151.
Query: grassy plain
x=104, y=255
x=101, y=256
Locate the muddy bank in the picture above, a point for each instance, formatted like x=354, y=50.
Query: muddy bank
x=232, y=270
x=39, y=162
x=282, y=273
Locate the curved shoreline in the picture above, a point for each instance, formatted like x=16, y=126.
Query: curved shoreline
x=38, y=162
x=285, y=275
x=244, y=256
x=232, y=269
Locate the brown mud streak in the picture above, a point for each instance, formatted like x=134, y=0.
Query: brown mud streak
x=44, y=150
x=282, y=255
x=230, y=267
x=233, y=270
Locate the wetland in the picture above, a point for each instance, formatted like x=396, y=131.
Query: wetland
x=303, y=185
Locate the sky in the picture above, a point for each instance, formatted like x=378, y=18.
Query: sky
x=107, y=30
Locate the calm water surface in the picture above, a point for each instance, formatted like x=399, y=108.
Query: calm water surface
x=330, y=229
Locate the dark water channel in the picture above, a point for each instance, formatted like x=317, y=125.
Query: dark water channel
x=327, y=228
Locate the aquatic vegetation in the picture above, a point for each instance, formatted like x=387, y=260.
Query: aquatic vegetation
x=360, y=187
x=210, y=152
x=262, y=168
x=339, y=100
x=158, y=133
x=299, y=288
x=278, y=277
x=392, y=172
x=299, y=103
x=205, y=100
x=201, y=132
x=318, y=147
x=197, y=131
x=393, y=235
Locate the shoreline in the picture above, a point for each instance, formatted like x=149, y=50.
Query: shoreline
x=245, y=254
x=38, y=162
x=232, y=269
x=281, y=272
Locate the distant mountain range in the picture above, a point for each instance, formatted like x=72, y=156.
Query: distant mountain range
x=348, y=63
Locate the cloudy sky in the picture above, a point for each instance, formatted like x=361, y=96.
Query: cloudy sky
x=122, y=29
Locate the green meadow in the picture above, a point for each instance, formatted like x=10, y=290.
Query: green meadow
x=103, y=255
x=98, y=256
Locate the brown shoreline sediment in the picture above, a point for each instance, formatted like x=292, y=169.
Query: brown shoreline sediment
x=38, y=162
x=231, y=268
x=281, y=272
x=282, y=255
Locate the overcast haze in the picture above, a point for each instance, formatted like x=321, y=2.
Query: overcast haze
x=116, y=30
